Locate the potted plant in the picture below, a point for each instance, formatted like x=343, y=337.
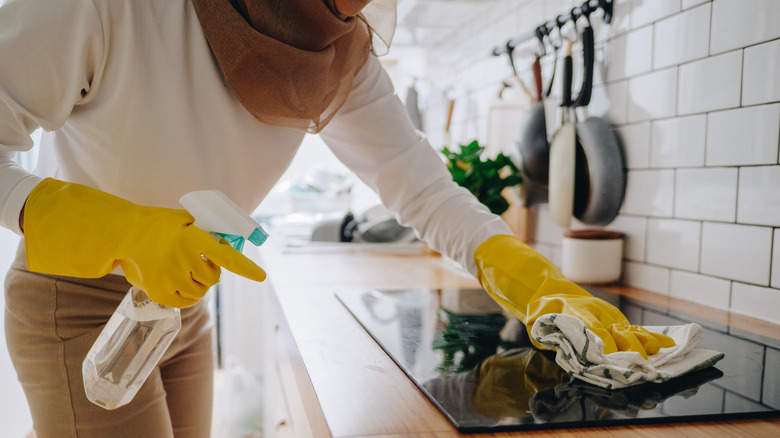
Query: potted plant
x=486, y=178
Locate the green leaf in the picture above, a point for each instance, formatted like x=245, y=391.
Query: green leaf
x=482, y=176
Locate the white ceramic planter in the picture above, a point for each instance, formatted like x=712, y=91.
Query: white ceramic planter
x=592, y=256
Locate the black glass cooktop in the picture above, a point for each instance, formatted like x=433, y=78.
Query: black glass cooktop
x=479, y=369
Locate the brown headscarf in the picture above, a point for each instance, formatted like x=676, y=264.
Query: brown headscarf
x=289, y=62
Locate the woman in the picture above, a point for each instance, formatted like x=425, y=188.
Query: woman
x=144, y=101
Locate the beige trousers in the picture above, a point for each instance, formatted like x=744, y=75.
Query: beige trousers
x=51, y=323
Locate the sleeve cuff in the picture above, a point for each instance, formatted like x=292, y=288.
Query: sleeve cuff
x=15, y=200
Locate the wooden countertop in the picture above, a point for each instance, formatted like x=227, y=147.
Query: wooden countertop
x=361, y=392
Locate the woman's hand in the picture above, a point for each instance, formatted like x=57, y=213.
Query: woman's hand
x=78, y=231
x=528, y=285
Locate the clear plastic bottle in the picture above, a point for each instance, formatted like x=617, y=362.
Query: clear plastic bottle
x=127, y=350
x=140, y=331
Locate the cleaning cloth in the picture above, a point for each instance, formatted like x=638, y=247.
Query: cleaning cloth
x=580, y=353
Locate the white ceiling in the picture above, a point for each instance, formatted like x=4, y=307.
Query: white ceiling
x=424, y=22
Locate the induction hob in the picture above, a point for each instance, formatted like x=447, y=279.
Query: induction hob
x=478, y=367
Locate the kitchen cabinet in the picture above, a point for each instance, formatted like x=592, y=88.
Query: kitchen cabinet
x=290, y=405
x=325, y=376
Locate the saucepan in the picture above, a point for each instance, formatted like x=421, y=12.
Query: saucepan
x=601, y=178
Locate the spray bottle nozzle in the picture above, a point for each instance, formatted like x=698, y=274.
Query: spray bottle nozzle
x=216, y=213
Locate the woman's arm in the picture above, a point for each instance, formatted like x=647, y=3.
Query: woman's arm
x=51, y=55
x=373, y=136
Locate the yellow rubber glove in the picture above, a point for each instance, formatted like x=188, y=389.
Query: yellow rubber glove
x=506, y=382
x=528, y=285
x=77, y=231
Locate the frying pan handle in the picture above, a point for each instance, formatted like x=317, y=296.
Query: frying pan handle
x=588, y=56
x=537, y=69
x=567, y=77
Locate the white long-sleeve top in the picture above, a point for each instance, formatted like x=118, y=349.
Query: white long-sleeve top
x=133, y=103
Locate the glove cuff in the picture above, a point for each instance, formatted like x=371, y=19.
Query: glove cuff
x=64, y=229
x=514, y=274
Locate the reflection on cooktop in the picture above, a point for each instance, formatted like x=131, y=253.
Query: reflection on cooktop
x=481, y=371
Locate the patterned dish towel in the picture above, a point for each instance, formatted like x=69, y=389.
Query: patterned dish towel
x=580, y=353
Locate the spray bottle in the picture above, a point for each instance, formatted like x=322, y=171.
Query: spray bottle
x=140, y=331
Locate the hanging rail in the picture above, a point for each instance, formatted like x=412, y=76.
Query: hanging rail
x=544, y=29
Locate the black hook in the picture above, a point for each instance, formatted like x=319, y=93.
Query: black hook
x=586, y=10
x=510, y=48
x=560, y=21
x=606, y=5
x=540, y=32
x=574, y=17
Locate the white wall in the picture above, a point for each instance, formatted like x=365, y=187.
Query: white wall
x=693, y=91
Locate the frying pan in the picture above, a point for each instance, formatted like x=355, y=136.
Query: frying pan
x=601, y=178
x=534, y=148
x=563, y=154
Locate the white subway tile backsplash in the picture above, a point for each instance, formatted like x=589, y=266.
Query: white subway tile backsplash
x=639, y=50
x=706, y=194
x=759, y=195
x=743, y=136
x=617, y=58
x=761, y=302
x=530, y=15
x=552, y=8
x=687, y=4
x=682, y=37
x=599, y=66
x=619, y=25
x=673, y=243
x=635, y=140
x=649, y=193
x=634, y=230
x=740, y=23
x=759, y=81
x=645, y=12
x=702, y=289
x=691, y=88
x=551, y=252
x=621, y=15
x=646, y=277
x=609, y=102
x=547, y=231
x=710, y=84
x=630, y=54
x=678, y=142
x=737, y=252
x=652, y=96
x=776, y=261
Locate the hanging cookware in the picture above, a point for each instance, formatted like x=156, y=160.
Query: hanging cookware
x=562, y=154
x=556, y=46
x=534, y=147
x=601, y=178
